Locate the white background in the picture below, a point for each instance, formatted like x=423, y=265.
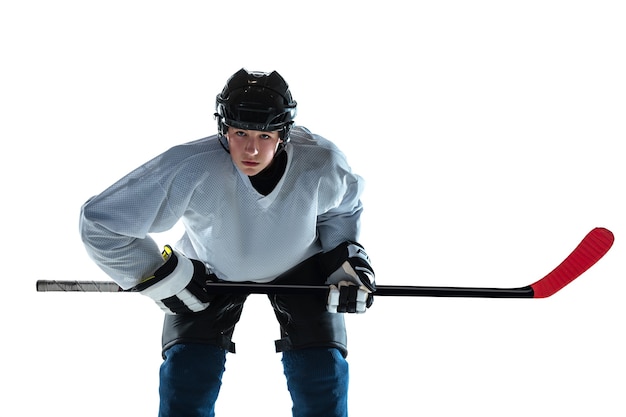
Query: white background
x=490, y=136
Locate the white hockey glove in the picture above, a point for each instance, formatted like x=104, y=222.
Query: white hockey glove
x=179, y=286
x=351, y=279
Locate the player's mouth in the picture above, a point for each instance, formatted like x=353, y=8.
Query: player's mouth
x=250, y=163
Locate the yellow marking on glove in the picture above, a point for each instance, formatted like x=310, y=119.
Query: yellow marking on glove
x=167, y=252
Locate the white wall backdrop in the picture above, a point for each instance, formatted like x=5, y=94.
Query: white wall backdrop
x=489, y=134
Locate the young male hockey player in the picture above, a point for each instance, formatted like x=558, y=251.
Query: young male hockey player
x=261, y=201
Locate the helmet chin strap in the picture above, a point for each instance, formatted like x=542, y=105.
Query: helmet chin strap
x=280, y=146
x=220, y=132
x=220, y=139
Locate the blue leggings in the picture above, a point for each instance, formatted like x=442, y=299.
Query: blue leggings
x=191, y=377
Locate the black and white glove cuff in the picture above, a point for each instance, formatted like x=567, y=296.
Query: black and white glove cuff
x=173, y=290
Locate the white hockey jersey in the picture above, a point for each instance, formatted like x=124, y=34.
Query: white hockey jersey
x=239, y=233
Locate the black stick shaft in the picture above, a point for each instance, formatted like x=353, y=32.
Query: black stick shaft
x=252, y=288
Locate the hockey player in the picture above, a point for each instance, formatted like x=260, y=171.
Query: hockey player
x=261, y=201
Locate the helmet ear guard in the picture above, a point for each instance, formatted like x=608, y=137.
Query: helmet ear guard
x=222, y=128
x=256, y=101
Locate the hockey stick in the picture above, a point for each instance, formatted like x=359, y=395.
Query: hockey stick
x=590, y=250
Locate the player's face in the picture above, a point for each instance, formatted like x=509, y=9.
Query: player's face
x=252, y=150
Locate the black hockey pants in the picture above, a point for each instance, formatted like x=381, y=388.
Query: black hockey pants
x=304, y=321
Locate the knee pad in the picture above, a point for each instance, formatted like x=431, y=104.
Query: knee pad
x=213, y=326
x=304, y=329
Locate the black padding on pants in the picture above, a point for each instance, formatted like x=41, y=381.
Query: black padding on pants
x=304, y=320
x=214, y=326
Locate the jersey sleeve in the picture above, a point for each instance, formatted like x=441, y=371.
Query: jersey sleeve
x=340, y=221
x=115, y=225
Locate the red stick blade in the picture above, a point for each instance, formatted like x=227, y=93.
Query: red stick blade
x=589, y=251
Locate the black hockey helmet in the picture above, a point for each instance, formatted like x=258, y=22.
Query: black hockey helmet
x=255, y=100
